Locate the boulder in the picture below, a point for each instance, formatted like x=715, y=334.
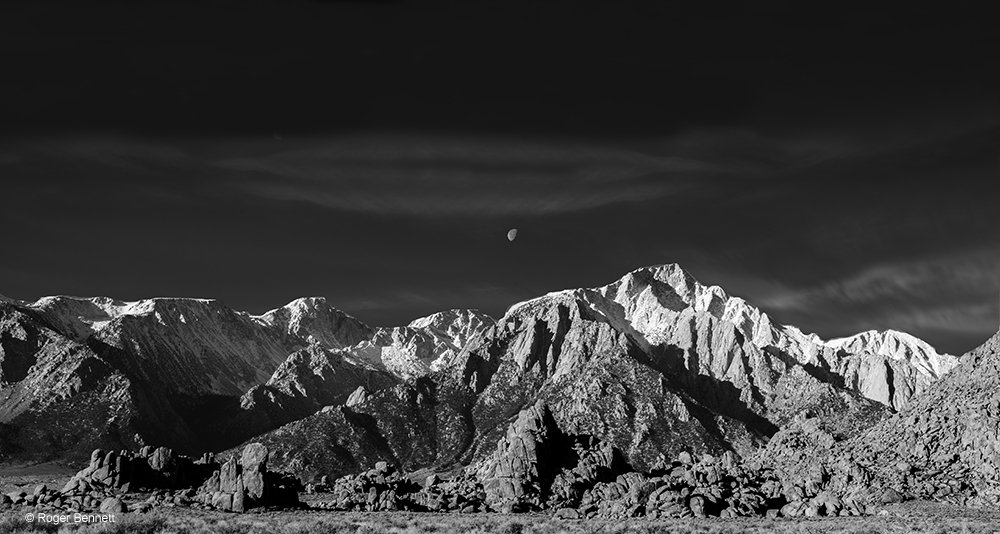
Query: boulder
x=228, y=475
x=223, y=501
x=568, y=513
x=793, y=509
x=161, y=459
x=113, y=505
x=697, y=506
x=254, y=464
x=96, y=458
x=239, y=497
x=890, y=496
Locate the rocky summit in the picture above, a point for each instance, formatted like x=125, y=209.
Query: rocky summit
x=654, y=395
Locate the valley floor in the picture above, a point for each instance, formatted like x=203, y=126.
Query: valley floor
x=922, y=518
x=911, y=518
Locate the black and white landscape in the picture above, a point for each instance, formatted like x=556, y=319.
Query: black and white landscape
x=651, y=396
x=433, y=266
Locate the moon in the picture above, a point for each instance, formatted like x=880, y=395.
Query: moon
x=512, y=234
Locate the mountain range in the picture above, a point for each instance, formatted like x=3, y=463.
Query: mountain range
x=653, y=364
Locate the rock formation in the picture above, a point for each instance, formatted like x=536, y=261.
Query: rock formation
x=380, y=489
x=536, y=467
x=112, y=478
x=244, y=482
x=523, y=464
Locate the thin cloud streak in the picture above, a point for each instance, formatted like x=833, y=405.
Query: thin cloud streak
x=942, y=300
x=976, y=273
x=469, y=180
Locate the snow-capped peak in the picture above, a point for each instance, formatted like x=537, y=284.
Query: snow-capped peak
x=757, y=326
x=314, y=319
x=518, y=307
x=898, y=346
x=660, y=305
x=456, y=324
x=81, y=317
x=427, y=344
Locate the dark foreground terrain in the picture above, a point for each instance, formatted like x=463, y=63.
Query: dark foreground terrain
x=913, y=517
x=909, y=518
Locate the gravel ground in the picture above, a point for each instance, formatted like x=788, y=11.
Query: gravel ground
x=908, y=518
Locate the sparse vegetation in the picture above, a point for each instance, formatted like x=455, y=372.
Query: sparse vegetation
x=178, y=521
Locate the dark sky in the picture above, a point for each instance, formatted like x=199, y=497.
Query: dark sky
x=838, y=167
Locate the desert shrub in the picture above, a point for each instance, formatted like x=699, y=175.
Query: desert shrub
x=14, y=523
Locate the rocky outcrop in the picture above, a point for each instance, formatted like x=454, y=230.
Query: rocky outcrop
x=523, y=463
x=380, y=489
x=593, y=482
x=149, y=468
x=237, y=485
x=245, y=482
x=537, y=466
x=45, y=498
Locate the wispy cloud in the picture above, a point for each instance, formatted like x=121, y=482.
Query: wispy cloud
x=926, y=279
x=972, y=317
x=435, y=177
x=932, y=297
